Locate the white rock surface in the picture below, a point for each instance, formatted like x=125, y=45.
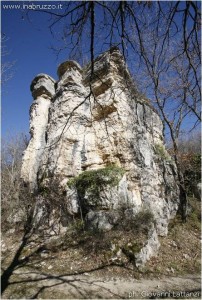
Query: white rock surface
x=86, y=122
x=150, y=249
x=42, y=88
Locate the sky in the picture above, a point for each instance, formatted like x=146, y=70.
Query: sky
x=28, y=45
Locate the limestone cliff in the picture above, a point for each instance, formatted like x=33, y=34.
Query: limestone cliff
x=89, y=122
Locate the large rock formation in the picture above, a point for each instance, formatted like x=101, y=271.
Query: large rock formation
x=103, y=143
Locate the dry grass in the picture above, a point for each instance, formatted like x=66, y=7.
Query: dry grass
x=81, y=251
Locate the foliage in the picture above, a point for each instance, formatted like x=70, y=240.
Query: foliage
x=92, y=180
x=161, y=152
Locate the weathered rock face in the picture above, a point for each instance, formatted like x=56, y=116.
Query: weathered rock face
x=42, y=88
x=84, y=123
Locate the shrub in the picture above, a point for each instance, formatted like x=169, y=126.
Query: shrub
x=92, y=180
x=139, y=222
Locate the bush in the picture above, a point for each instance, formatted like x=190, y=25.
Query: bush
x=92, y=180
x=140, y=222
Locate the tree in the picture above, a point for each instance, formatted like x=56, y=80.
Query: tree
x=11, y=159
x=162, y=38
x=190, y=162
x=6, y=66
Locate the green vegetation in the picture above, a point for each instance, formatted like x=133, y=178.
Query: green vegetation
x=161, y=152
x=92, y=180
x=134, y=247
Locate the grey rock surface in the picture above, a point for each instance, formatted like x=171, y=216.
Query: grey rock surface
x=149, y=250
x=101, y=220
x=42, y=85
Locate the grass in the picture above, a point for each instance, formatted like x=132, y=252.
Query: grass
x=181, y=249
